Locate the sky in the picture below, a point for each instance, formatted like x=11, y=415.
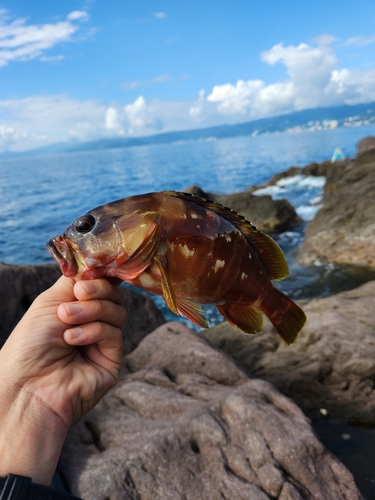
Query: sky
x=81, y=70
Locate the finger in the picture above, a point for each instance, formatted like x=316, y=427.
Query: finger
x=107, y=338
x=97, y=289
x=88, y=311
x=61, y=291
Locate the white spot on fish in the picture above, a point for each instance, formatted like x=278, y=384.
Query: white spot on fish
x=194, y=216
x=243, y=276
x=249, y=255
x=146, y=280
x=162, y=250
x=218, y=265
x=186, y=250
x=228, y=238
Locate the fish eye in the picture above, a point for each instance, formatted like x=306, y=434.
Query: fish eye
x=85, y=223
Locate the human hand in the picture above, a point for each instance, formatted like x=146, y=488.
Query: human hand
x=51, y=376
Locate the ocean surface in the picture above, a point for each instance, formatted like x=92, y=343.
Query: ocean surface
x=41, y=196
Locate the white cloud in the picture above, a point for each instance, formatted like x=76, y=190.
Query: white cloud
x=145, y=83
x=312, y=78
x=8, y=136
x=312, y=81
x=141, y=118
x=112, y=123
x=360, y=40
x=20, y=41
x=78, y=15
x=160, y=15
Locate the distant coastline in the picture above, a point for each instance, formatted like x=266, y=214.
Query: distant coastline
x=300, y=121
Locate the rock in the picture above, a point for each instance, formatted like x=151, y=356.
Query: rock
x=266, y=214
x=331, y=364
x=365, y=145
x=20, y=285
x=343, y=230
x=185, y=422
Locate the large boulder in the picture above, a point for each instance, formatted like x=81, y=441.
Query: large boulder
x=330, y=368
x=272, y=216
x=185, y=422
x=343, y=230
x=21, y=284
x=366, y=145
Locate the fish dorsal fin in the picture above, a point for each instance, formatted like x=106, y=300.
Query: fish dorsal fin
x=268, y=250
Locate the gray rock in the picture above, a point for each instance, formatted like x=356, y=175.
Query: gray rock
x=20, y=285
x=343, y=230
x=365, y=145
x=186, y=423
x=331, y=364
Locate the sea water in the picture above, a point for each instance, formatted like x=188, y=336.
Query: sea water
x=41, y=195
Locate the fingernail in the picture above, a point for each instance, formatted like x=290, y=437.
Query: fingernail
x=75, y=332
x=90, y=287
x=73, y=309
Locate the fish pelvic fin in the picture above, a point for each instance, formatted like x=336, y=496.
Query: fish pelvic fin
x=245, y=317
x=286, y=316
x=192, y=311
x=166, y=286
x=267, y=249
x=183, y=307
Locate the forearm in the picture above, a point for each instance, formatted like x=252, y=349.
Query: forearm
x=31, y=435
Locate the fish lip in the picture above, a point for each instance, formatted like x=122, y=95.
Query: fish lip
x=60, y=250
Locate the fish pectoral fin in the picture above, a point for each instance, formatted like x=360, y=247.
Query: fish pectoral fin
x=245, y=317
x=192, y=311
x=144, y=250
x=166, y=286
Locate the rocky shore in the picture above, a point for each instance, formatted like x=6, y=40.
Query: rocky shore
x=224, y=415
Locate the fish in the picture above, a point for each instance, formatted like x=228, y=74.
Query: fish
x=191, y=251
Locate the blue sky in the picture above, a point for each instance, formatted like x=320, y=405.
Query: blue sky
x=83, y=70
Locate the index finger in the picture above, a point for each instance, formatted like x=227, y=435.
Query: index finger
x=97, y=289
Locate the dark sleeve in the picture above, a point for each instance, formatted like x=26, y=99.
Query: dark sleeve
x=13, y=487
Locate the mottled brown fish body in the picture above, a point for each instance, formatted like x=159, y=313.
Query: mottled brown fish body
x=187, y=249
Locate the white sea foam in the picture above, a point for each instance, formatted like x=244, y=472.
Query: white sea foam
x=307, y=212
x=304, y=192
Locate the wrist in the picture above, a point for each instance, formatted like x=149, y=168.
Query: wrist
x=31, y=435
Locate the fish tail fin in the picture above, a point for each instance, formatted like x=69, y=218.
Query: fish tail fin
x=287, y=318
x=285, y=315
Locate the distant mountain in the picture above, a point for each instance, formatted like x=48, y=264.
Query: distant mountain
x=306, y=120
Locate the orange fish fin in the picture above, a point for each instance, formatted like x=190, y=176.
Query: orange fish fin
x=166, y=286
x=192, y=311
x=245, y=317
x=268, y=250
x=285, y=315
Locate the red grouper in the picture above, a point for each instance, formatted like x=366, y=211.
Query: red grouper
x=187, y=249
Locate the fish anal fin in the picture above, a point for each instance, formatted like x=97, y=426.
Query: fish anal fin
x=245, y=317
x=166, y=286
x=192, y=311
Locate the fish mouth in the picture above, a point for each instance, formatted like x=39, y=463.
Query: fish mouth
x=65, y=256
